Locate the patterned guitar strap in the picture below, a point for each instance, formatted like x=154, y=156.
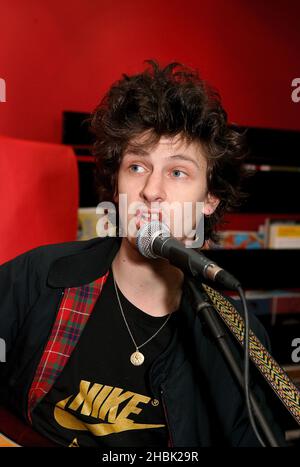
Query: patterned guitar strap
x=269, y=368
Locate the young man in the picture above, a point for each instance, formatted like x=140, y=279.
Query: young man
x=104, y=347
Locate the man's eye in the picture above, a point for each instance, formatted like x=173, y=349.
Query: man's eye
x=178, y=173
x=136, y=168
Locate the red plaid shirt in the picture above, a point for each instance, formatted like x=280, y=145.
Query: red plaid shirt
x=75, y=309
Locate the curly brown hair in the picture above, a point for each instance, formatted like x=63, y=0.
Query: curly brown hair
x=169, y=101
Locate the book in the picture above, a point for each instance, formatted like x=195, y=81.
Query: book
x=87, y=222
x=241, y=239
x=282, y=233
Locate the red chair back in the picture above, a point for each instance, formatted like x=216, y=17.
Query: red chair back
x=39, y=194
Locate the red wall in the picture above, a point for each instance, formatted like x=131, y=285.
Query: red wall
x=63, y=54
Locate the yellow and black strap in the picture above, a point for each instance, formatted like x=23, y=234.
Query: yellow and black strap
x=272, y=372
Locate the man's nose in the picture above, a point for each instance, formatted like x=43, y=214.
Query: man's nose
x=153, y=188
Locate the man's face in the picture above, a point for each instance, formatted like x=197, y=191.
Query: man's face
x=167, y=182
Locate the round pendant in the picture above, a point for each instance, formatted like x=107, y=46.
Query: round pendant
x=137, y=358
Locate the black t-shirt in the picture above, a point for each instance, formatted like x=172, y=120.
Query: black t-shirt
x=100, y=398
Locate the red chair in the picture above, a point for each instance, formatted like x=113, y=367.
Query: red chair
x=39, y=195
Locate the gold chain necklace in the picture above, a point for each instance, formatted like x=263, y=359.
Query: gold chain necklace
x=137, y=358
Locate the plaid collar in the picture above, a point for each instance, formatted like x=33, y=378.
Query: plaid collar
x=82, y=275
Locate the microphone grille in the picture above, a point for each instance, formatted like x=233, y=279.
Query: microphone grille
x=147, y=234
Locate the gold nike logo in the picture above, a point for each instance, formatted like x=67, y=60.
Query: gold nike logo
x=102, y=402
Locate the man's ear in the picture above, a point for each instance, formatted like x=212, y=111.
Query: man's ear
x=210, y=204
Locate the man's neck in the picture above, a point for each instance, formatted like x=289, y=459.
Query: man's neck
x=154, y=286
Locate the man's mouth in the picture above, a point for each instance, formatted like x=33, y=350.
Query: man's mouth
x=143, y=217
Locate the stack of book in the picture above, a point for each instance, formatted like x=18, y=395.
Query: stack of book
x=282, y=233
x=275, y=233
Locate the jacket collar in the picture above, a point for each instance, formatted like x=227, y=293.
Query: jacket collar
x=84, y=266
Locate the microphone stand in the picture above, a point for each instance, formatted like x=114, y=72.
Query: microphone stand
x=204, y=308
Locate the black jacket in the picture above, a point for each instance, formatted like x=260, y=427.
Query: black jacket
x=203, y=404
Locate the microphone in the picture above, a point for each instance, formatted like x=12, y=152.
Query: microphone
x=154, y=240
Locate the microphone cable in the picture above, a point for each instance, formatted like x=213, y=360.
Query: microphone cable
x=246, y=366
